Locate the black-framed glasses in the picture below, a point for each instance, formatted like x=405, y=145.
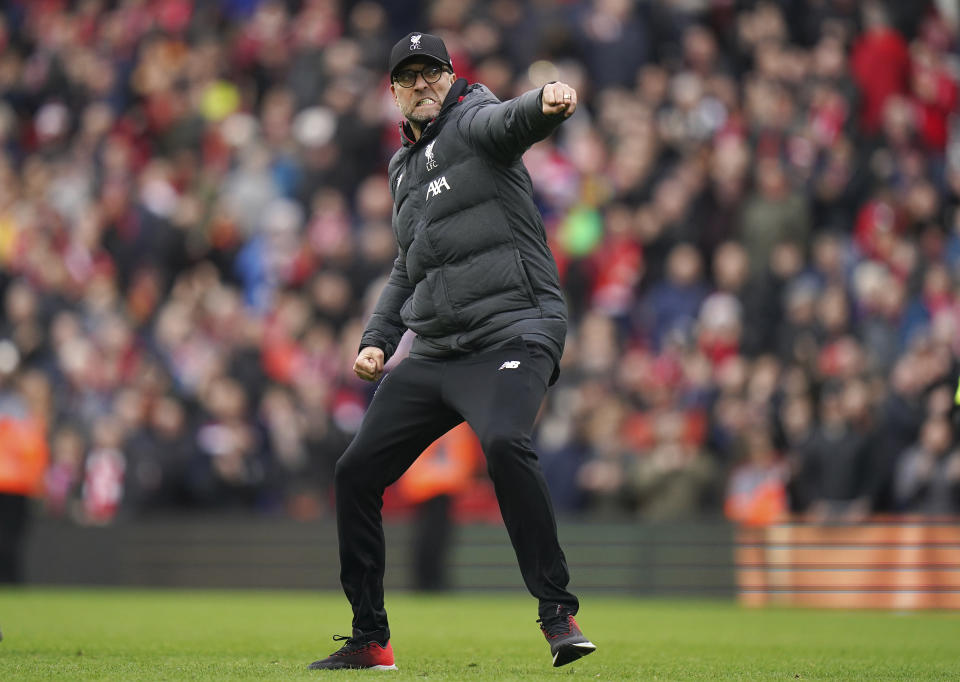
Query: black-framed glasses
x=406, y=78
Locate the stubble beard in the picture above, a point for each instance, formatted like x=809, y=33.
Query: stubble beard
x=419, y=120
x=416, y=118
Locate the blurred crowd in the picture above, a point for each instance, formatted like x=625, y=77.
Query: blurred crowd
x=754, y=211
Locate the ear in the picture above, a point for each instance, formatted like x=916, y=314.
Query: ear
x=393, y=91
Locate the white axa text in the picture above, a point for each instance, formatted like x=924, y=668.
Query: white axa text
x=437, y=186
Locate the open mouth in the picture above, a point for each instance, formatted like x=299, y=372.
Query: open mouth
x=426, y=101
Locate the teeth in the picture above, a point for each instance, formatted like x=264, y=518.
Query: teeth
x=425, y=100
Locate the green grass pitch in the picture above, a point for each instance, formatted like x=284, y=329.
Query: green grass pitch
x=112, y=634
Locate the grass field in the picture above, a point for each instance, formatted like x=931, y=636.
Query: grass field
x=203, y=635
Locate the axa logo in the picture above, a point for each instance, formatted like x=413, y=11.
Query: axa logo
x=431, y=159
x=415, y=41
x=509, y=364
x=437, y=186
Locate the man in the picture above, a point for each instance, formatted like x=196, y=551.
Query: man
x=475, y=281
x=23, y=463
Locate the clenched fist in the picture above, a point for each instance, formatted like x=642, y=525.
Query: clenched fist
x=369, y=364
x=559, y=98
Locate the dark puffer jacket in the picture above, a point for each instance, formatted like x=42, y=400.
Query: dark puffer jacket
x=473, y=268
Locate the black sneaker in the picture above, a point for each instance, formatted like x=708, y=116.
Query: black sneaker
x=567, y=643
x=358, y=653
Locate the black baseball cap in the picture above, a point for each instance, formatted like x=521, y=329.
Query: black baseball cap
x=419, y=44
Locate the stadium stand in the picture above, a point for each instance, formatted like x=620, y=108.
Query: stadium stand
x=755, y=212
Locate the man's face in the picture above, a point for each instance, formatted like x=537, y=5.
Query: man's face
x=420, y=103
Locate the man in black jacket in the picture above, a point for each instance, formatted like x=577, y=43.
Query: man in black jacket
x=476, y=282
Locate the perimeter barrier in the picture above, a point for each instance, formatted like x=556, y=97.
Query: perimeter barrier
x=670, y=559
x=886, y=563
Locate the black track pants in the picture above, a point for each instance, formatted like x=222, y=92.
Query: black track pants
x=498, y=393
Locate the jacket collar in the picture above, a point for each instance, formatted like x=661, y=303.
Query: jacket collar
x=454, y=97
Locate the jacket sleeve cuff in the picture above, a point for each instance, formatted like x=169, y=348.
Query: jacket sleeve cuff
x=367, y=341
x=531, y=102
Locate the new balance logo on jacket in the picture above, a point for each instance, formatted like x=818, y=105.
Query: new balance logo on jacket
x=510, y=364
x=437, y=186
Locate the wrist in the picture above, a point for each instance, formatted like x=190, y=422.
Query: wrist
x=364, y=344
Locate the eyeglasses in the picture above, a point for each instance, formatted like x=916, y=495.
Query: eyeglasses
x=406, y=78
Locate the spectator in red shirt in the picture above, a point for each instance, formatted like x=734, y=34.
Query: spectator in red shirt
x=880, y=63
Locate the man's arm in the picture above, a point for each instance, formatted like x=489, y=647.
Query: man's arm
x=506, y=130
x=385, y=327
